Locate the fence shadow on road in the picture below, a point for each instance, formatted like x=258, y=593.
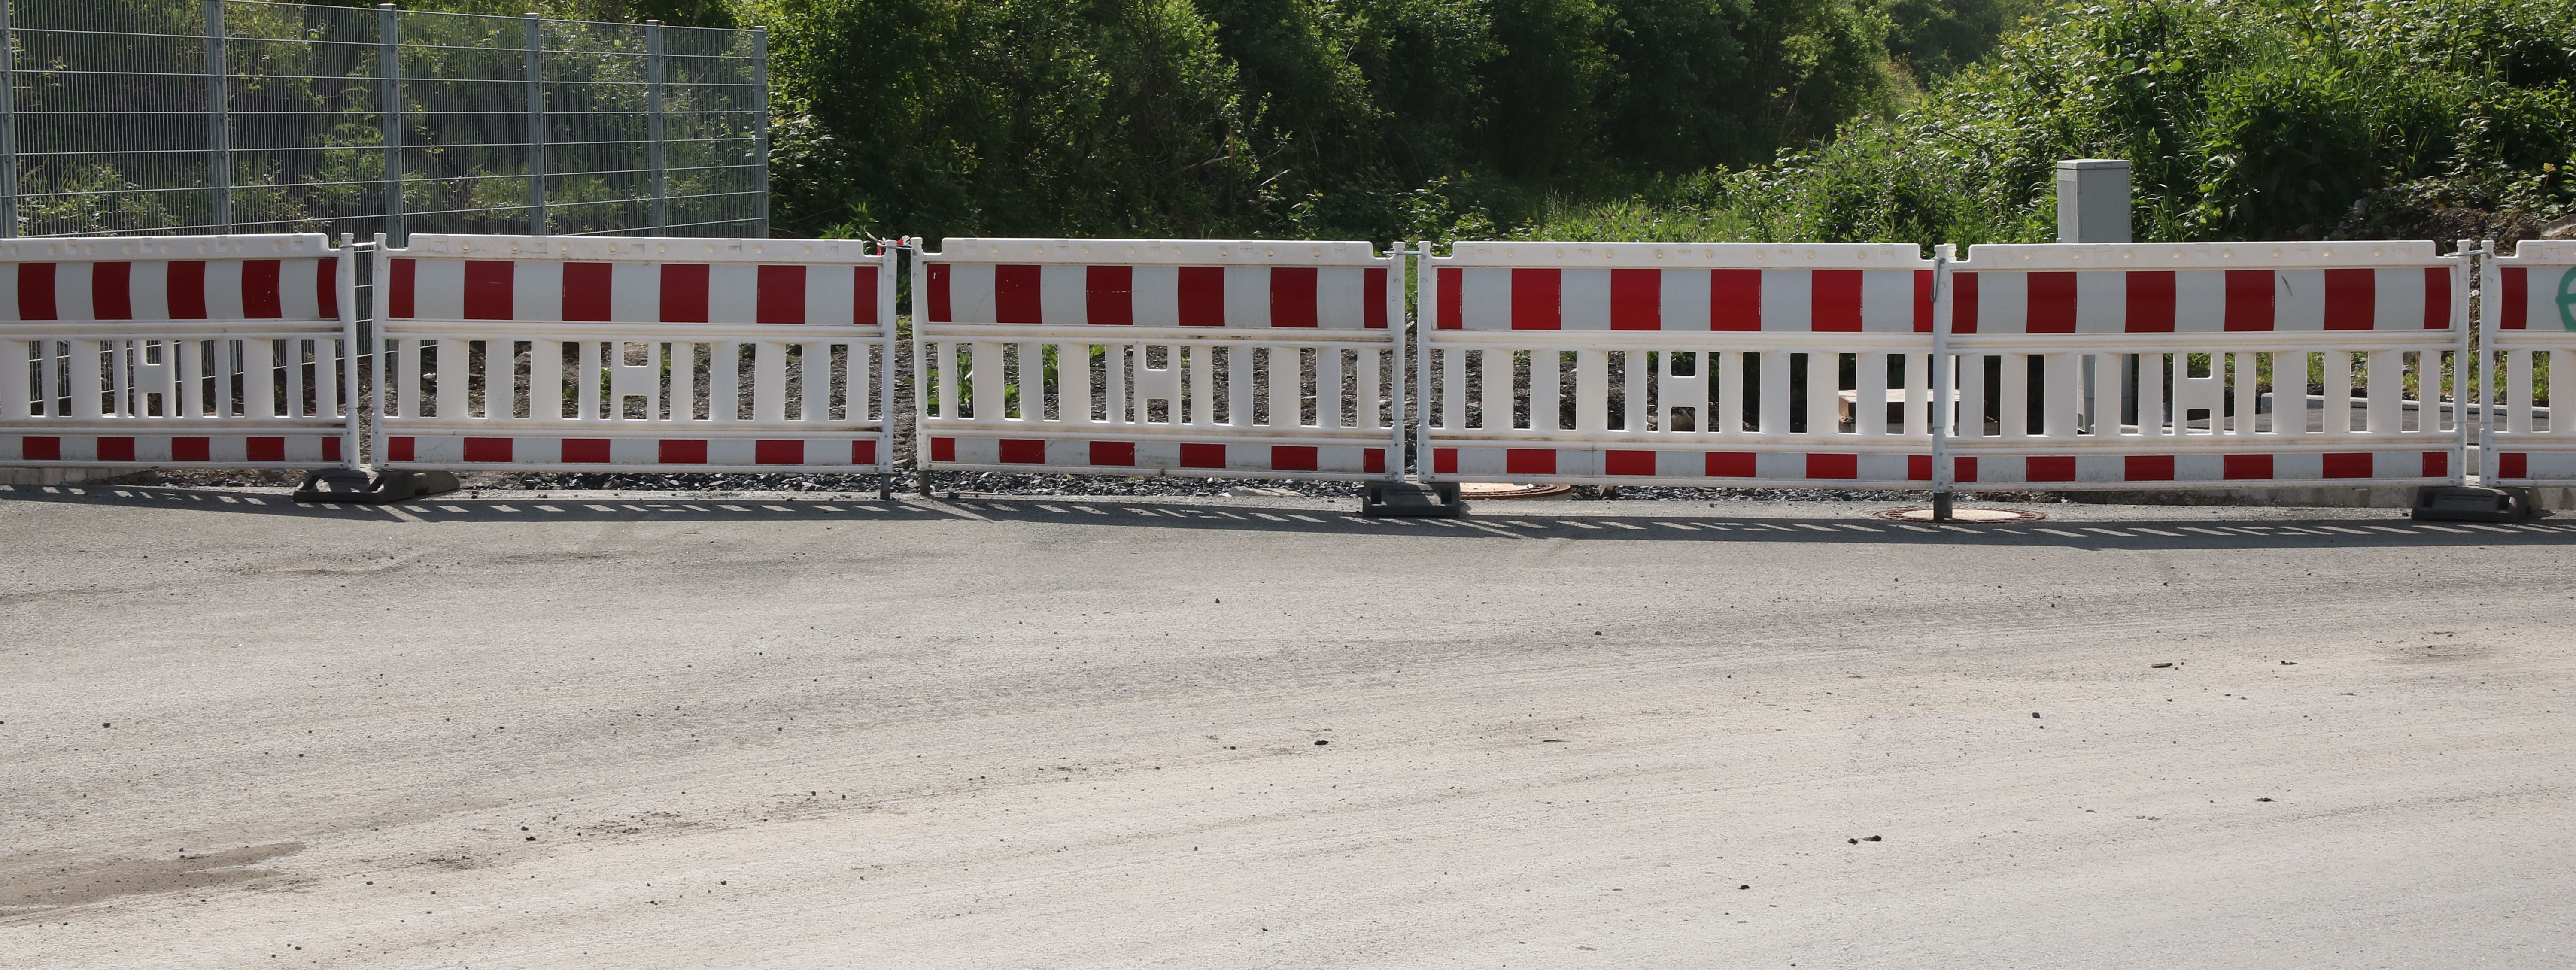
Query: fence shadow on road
x=1620, y=522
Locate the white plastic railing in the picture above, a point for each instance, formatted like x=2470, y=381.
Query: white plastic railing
x=2188, y=365
x=2529, y=323
x=177, y=351
x=1160, y=357
x=1708, y=364
x=642, y=355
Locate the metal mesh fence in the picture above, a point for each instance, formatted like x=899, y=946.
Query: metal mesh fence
x=212, y=116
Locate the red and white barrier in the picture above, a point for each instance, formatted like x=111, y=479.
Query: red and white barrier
x=2529, y=323
x=1154, y=357
x=539, y=353
x=177, y=350
x=2190, y=364
x=1707, y=364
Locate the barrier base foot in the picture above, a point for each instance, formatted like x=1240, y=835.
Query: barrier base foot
x=1435, y=500
x=885, y=488
x=2462, y=503
x=349, y=485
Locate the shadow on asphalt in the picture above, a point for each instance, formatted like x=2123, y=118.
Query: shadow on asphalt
x=1612, y=522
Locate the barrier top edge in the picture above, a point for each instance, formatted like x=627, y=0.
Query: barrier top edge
x=2552, y=251
x=636, y=249
x=2107, y=257
x=122, y=248
x=1672, y=255
x=1196, y=252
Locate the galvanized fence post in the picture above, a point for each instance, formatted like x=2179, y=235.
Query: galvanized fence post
x=1944, y=393
x=219, y=149
x=389, y=106
x=653, y=92
x=8, y=128
x=760, y=132
x=536, y=128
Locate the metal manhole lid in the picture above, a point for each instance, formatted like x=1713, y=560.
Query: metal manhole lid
x=1962, y=516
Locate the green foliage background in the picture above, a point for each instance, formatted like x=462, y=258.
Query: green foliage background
x=1876, y=120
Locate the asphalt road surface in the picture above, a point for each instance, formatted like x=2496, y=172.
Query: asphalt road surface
x=691, y=731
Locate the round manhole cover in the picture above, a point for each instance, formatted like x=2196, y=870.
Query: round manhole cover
x=1969, y=516
x=1478, y=491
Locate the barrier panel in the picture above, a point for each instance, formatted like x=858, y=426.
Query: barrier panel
x=177, y=350
x=1160, y=357
x=2528, y=325
x=2176, y=365
x=1702, y=364
x=554, y=353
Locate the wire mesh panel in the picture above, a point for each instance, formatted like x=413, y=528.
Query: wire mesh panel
x=2215, y=365
x=2528, y=324
x=222, y=116
x=1713, y=364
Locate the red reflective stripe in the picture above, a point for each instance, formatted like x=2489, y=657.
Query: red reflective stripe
x=2437, y=298
x=1836, y=296
x=326, y=291
x=186, y=289
x=203, y=449
x=264, y=449
x=2513, y=464
x=259, y=292
x=1109, y=299
x=331, y=448
x=939, y=298
x=397, y=448
x=1729, y=464
x=2351, y=299
x=1833, y=466
x=1537, y=299
x=1023, y=451
x=1628, y=462
x=2246, y=466
x=2348, y=465
x=122, y=449
x=1118, y=453
x=1444, y=461
x=585, y=290
x=943, y=449
x=2151, y=302
x=2249, y=305
x=863, y=452
x=1735, y=299
x=1292, y=296
x=1963, y=303
x=2050, y=468
x=1015, y=294
x=1963, y=469
x=36, y=291
x=1201, y=300
x=1202, y=456
x=1637, y=300
x=2517, y=297
x=1293, y=458
x=684, y=300
x=780, y=298
x=1373, y=299
x=487, y=449
x=2052, y=303
x=2147, y=468
x=1923, y=311
x=111, y=297
x=1373, y=460
x=1452, y=304
x=863, y=299
x=1918, y=468
x=2437, y=464
x=684, y=451
x=40, y=447
x=585, y=451
x=778, y=452
x=488, y=290
x=1529, y=461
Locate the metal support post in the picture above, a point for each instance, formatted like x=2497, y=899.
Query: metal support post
x=8, y=129
x=1943, y=407
x=219, y=149
x=389, y=106
x=760, y=132
x=653, y=92
x=536, y=127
